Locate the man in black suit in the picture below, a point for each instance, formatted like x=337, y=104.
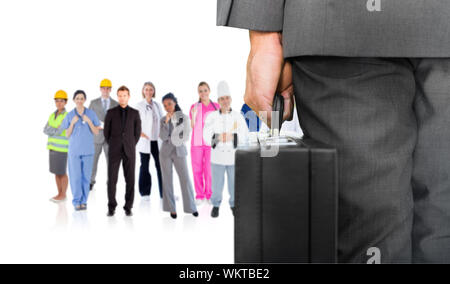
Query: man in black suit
x=122, y=131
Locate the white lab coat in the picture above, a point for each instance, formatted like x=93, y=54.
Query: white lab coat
x=146, y=115
x=217, y=123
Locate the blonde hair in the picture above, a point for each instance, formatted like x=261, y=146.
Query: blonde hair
x=150, y=84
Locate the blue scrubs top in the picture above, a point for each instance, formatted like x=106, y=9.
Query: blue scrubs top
x=81, y=142
x=250, y=116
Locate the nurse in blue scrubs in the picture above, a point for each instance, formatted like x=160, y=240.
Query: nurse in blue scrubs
x=81, y=125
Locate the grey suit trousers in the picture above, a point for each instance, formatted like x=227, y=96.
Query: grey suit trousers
x=390, y=121
x=168, y=161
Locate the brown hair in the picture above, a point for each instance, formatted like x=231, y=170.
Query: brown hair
x=203, y=84
x=123, y=88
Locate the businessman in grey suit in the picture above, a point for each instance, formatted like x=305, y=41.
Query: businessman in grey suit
x=101, y=106
x=372, y=78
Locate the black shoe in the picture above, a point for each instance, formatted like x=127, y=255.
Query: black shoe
x=232, y=210
x=173, y=215
x=215, y=212
x=128, y=213
x=111, y=213
x=91, y=187
x=195, y=214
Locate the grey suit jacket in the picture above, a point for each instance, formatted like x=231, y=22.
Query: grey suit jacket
x=182, y=132
x=355, y=28
x=97, y=107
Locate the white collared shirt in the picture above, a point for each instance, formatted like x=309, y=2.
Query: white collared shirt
x=108, y=103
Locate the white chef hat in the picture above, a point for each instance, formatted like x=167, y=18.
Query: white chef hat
x=223, y=90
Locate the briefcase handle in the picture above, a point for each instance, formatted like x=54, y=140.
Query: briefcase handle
x=278, y=106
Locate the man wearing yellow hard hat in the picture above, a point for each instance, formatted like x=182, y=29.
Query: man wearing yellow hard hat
x=101, y=106
x=58, y=146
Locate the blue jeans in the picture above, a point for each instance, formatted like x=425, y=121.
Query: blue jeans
x=80, y=170
x=218, y=179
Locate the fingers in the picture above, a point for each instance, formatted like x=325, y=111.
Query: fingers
x=289, y=101
x=262, y=101
x=266, y=73
x=286, y=89
x=263, y=75
x=285, y=77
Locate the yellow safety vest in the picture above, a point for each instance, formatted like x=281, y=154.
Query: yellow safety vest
x=58, y=143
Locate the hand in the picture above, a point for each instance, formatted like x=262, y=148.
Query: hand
x=169, y=117
x=75, y=119
x=194, y=113
x=226, y=137
x=235, y=126
x=86, y=119
x=229, y=137
x=145, y=136
x=268, y=73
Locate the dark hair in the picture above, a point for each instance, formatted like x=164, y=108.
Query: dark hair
x=123, y=88
x=203, y=84
x=172, y=97
x=151, y=85
x=80, y=92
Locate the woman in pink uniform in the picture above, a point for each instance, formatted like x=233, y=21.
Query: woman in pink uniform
x=200, y=152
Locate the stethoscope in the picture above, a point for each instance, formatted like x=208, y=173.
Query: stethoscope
x=80, y=117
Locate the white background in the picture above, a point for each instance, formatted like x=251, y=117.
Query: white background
x=49, y=45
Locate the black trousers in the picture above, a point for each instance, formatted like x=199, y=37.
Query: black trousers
x=145, y=178
x=129, y=165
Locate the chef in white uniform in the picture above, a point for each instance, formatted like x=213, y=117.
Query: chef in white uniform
x=224, y=130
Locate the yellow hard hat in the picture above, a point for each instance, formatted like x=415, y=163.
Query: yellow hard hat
x=106, y=83
x=61, y=95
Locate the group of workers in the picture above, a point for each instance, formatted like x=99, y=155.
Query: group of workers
x=77, y=138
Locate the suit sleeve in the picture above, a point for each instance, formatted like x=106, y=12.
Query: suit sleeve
x=107, y=127
x=95, y=119
x=137, y=127
x=258, y=15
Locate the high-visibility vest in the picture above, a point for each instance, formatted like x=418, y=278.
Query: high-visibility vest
x=58, y=143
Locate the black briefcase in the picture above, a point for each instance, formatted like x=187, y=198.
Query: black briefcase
x=286, y=205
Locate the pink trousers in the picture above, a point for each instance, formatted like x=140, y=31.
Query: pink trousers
x=201, y=167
